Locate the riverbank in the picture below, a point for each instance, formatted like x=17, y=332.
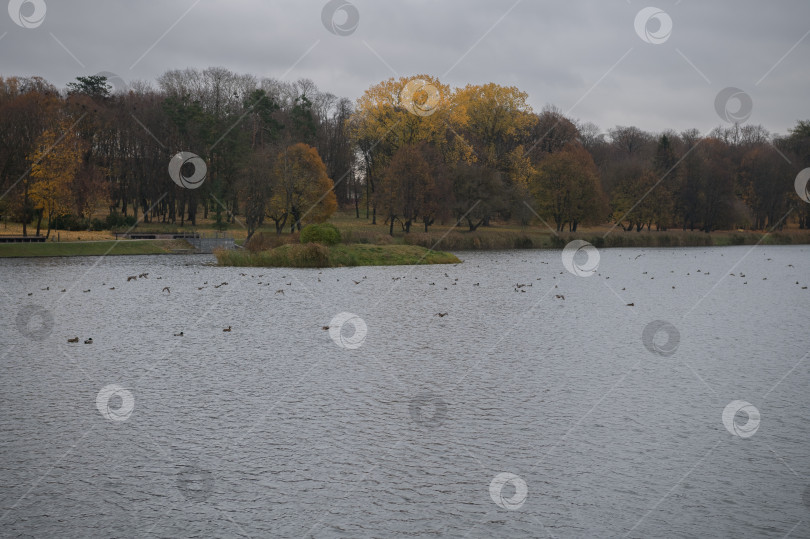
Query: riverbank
x=447, y=237
x=94, y=248
x=313, y=255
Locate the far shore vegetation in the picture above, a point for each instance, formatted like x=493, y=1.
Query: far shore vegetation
x=453, y=169
x=444, y=237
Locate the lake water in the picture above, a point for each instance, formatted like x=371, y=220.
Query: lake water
x=519, y=413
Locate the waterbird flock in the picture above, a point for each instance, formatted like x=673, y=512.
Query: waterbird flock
x=452, y=281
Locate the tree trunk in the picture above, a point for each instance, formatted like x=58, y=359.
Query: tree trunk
x=428, y=222
x=50, y=218
x=25, y=209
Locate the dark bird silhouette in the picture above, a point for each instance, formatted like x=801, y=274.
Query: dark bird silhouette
x=560, y=296
x=89, y=341
x=143, y=275
x=636, y=258
x=74, y=339
x=178, y=334
x=166, y=289
x=325, y=328
x=132, y=278
x=441, y=315
x=631, y=304
x=46, y=288
x=227, y=329
x=280, y=291
x=112, y=288
x=30, y=293
x=356, y=282
x=85, y=291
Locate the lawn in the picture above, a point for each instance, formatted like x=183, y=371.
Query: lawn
x=93, y=248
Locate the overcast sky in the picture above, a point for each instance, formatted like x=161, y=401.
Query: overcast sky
x=584, y=56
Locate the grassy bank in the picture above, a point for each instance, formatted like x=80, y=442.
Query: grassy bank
x=312, y=255
x=93, y=248
x=443, y=237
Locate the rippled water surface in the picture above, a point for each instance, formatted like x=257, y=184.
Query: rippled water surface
x=273, y=429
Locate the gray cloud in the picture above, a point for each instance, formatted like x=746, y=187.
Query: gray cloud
x=561, y=53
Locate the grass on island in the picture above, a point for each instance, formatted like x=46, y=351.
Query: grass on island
x=94, y=248
x=313, y=255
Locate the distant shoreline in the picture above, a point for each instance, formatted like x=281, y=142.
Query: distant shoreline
x=491, y=239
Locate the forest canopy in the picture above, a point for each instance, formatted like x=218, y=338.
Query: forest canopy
x=409, y=150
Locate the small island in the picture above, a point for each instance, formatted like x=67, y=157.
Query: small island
x=321, y=247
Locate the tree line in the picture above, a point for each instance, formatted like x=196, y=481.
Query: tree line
x=409, y=151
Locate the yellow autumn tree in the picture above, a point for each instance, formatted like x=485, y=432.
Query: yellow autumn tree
x=53, y=167
x=304, y=191
x=401, y=112
x=494, y=119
